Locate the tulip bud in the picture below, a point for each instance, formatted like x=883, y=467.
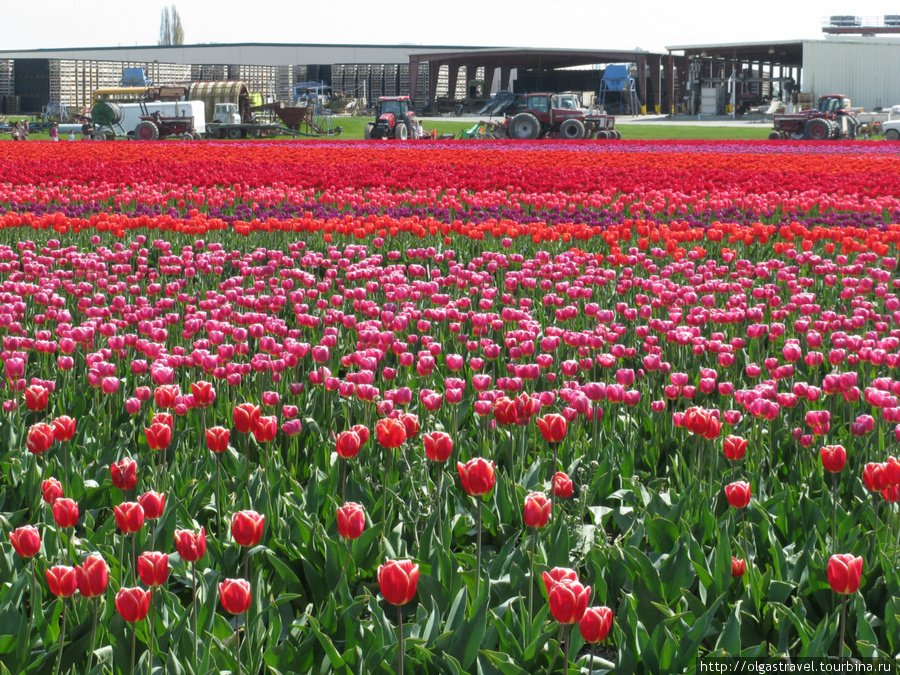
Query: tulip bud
x=562, y=485
x=62, y=580
x=26, y=541
x=153, y=504
x=537, y=509
x=247, y=527
x=738, y=494
x=153, y=568
x=133, y=604
x=595, y=624
x=438, y=446
x=351, y=520
x=477, y=476
x=191, y=546
x=398, y=580
x=844, y=573
x=235, y=595
x=65, y=512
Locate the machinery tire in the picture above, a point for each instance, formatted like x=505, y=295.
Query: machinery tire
x=234, y=133
x=524, y=127
x=603, y=135
x=835, y=128
x=817, y=130
x=572, y=129
x=892, y=135
x=367, y=131
x=98, y=136
x=146, y=131
x=187, y=136
x=616, y=134
x=775, y=136
x=197, y=136
x=109, y=136
x=401, y=131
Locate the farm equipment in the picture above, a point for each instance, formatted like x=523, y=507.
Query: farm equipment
x=544, y=116
x=301, y=120
x=832, y=119
x=393, y=119
x=154, y=125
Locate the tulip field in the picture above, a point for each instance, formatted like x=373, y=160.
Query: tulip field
x=464, y=407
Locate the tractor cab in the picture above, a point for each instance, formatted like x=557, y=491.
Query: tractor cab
x=396, y=106
x=833, y=104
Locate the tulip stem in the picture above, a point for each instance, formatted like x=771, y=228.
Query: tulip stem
x=194, y=607
x=343, y=479
x=122, y=560
x=843, y=624
x=93, y=634
x=834, y=496
x=133, y=647
x=591, y=667
x=133, y=560
x=219, y=492
x=568, y=646
x=556, y=653
x=440, y=475
x=400, y=651
x=534, y=534
x=237, y=642
x=478, y=541
x=62, y=635
x=152, y=629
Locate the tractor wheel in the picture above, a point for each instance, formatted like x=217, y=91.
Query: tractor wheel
x=187, y=136
x=367, y=132
x=401, y=131
x=234, y=133
x=616, y=135
x=775, y=136
x=146, y=131
x=524, y=127
x=835, y=130
x=817, y=130
x=603, y=135
x=197, y=136
x=892, y=135
x=572, y=129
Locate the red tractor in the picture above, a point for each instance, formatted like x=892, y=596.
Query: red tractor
x=544, y=116
x=831, y=120
x=393, y=119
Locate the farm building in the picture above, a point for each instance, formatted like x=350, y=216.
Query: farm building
x=689, y=78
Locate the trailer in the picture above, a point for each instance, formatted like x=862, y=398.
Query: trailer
x=116, y=120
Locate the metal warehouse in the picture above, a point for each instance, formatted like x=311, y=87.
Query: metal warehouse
x=707, y=78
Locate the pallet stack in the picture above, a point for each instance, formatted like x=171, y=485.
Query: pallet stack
x=284, y=83
x=391, y=72
x=337, y=80
x=376, y=82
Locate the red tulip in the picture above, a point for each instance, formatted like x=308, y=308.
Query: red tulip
x=553, y=427
x=129, y=517
x=410, y=424
x=93, y=576
x=734, y=447
x=191, y=546
x=246, y=417
x=351, y=520
x=235, y=595
x=63, y=428
x=266, y=429
x=875, y=477
x=595, y=624
x=833, y=458
x=62, y=580
x=347, y=444
x=537, y=509
x=398, y=580
x=40, y=438
x=166, y=396
x=391, y=433
x=163, y=418
x=477, y=476
x=738, y=494
x=737, y=567
x=844, y=573
x=247, y=527
x=158, y=436
x=124, y=474
x=557, y=575
x=217, y=439
x=51, y=490
x=562, y=485
x=505, y=411
x=204, y=394
x=133, y=604
x=438, y=446
x=36, y=398
x=26, y=541
x=153, y=504
x=568, y=601
x=65, y=512
x=153, y=568
x=363, y=432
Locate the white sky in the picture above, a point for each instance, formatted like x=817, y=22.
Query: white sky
x=587, y=24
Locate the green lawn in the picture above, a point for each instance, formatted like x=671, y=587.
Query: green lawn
x=353, y=130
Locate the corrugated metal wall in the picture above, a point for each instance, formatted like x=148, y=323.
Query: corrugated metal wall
x=864, y=70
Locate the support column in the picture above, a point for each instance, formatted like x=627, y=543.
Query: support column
x=670, y=84
x=642, y=83
x=413, y=76
x=505, y=75
x=452, y=76
x=655, y=75
x=434, y=68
